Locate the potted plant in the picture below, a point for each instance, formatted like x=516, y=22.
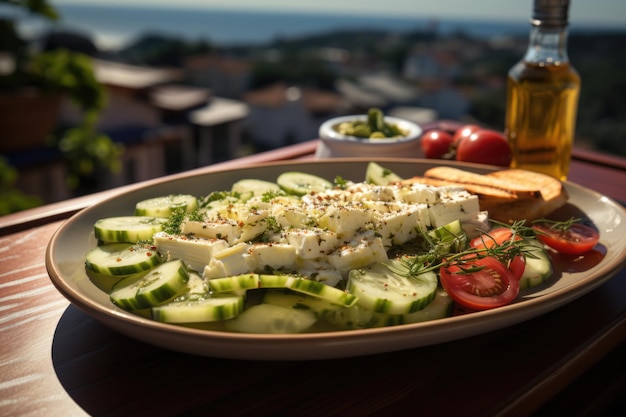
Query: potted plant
x=32, y=84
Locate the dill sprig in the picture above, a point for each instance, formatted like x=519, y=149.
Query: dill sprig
x=437, y=256
x=173, y=224
x=561, y=226
x=341, y=182
x=268, y=196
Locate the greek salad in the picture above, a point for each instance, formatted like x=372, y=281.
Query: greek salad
x=303, y=253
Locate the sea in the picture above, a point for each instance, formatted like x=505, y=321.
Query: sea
x=114, y=26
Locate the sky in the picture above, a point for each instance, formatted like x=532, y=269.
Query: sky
x=612, y=12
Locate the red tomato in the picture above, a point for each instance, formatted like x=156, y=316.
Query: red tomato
x=484, y=147
x=494, y=237
x=499, y=236
x=489, y=285
x=464, y=132
x=517, y=266
x=576, y=239
x=436, y=143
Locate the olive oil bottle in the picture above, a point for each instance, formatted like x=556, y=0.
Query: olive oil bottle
x=542, y=95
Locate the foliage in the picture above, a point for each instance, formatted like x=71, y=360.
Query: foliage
x=11, y=199
x=60, y=71
x=86, y=151
x=71, y=73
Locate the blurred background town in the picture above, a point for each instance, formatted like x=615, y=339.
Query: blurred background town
x=172, y=89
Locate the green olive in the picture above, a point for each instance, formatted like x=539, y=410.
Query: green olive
x=374, y=127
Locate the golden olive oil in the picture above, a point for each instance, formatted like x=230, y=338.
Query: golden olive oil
x=541, y=116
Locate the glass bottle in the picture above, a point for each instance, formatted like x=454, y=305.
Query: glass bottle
x=542, y=95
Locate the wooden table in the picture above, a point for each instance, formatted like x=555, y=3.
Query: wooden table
x=56, y=360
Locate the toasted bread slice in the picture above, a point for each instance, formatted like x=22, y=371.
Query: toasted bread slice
x=521, y=209
x=553, y=196
x=520, y=190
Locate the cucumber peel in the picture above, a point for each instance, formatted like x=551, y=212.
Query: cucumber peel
x=301, y=183
x=378, y=175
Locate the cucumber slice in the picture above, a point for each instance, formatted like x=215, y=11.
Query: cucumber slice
x=106, y=282
x=254, y=187
x=451, y=236
x=129, y=229
x=165, y=206
x=273, y=281
x=294, y=283
x=442, y=306
x=158, y=286
x=268, y=318
x=122, y=259
x=199, y=310
x=378, y=175
x=355, y=317
x=234, y=283
x=538, y=266
x=381, y=290
x=320, y=290
x=297, y=301
x=301, y=183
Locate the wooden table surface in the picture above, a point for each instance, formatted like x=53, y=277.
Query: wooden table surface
x=55, y=360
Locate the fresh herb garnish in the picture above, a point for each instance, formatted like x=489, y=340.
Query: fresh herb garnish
x=268, y=196
x=438, y=255
x=341, y=182
x=561, y=226
x=173, y=224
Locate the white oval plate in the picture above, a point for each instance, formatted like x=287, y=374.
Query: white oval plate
x=66, y=251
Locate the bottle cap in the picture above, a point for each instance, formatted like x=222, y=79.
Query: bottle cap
x=550, y=13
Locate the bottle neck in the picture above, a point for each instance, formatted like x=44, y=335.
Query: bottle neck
x=547, y=45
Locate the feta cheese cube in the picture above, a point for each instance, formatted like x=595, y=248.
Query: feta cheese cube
x=454, y=205
x=311, y=243
x=345, y=219
x=359, y=253
x=417, y=193
x=364, y=191
x=273, y=256
x=234, y=260
x=225, y=229
x=291, y=216
x=194, y=251
x=403, y=225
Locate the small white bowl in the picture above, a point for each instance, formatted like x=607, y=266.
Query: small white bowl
x=333, y=144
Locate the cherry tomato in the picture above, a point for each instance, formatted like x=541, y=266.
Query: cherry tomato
x=517, y=266
x=464, y=132
x=436, y=143
x=499, y=236
x=484, y=147
x=489, y=285
x=576, y=239
x=492, y=238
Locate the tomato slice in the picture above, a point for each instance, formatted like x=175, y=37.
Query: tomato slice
x=517, y=266
x=499, y=236
x=489, y=284
x=576, y=239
